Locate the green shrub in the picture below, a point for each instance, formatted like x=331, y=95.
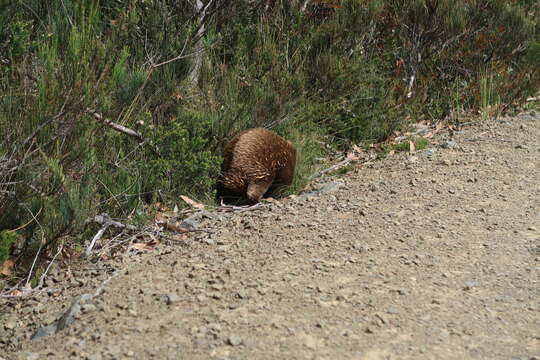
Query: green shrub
x=7, y=239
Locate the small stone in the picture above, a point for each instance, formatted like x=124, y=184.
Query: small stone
x=470, y=284
x=392, y=310
x=30, y=356
x=95, y=356
x=172, y=299
x=10, y=324
x=45, y=331
x=449, y=144
x=234, y=340
x=223, y=248
x=532, y=228
x=86, y=308
x=521, y=146
x=331, y=187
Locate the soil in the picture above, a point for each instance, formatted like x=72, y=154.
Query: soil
x=431, y=255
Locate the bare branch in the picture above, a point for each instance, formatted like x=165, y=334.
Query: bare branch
x=122, y=129
x=115, y=126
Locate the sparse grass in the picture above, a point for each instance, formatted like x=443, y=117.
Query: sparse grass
x=420, y=143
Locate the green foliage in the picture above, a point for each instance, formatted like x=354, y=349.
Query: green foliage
x=420, y=143
x=7, y=239
x=186, y=163
x=319, y=76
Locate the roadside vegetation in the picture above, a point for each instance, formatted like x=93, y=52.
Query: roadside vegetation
x=106, y=107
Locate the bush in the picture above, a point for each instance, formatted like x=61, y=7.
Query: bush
x=7, y=239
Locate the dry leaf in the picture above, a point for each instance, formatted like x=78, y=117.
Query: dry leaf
x=180, y=237
x=151, y=245
x=412, y=147
x=16, y=292
x=7, y=266
x=352, y=157
x=192, y=203
x=174, y=227
x=160, y=218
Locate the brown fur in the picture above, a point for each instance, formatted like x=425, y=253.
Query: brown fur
x=255, y=160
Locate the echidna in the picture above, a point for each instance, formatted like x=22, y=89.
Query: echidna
x=252, y=162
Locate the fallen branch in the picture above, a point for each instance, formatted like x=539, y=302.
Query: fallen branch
x=122, y=129
x=20, y=292
x=231, y=208
x=334, y=167
x=96, y=237
x=27, y=285
x=42, y=278
x=117, y=127
x=106, y=221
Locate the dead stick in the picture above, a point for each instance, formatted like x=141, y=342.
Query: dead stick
x=333, y=167
x=98, y=236
x=122, y=129
x=116, y=126
x=104, y=219
x=42, y=278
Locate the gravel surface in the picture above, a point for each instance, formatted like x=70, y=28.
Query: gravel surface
x=432, y=255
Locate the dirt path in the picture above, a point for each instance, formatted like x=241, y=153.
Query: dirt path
x=428, y=256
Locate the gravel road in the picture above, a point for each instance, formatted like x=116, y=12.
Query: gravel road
x=432, y=255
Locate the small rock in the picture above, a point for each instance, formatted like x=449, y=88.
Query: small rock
x=532, y=228
x=392, y=310
x=30, y=356
x=521, y=146
x=45, y=331
x=86, y=308
x=449, y=144
x=172, y=299
x=10, y=324
x=234, y=340
x=223, y=248
x=370, y=330
x=331, y=187
x=96, y=356
x=470, y=284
